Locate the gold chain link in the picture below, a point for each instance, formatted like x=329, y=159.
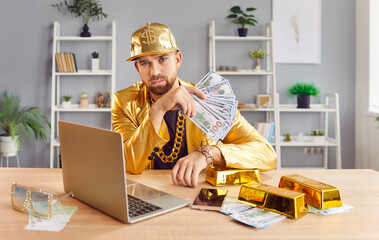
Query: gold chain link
x=178, y=138
x=177, y=142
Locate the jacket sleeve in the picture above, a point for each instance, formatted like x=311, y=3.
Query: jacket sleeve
x=139, y=138
x=243, y=147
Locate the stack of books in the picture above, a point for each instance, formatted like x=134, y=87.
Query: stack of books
x=66, y=62
x=266, y=129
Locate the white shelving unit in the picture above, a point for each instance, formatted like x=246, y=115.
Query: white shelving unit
x=56, y=108
x=268, y=75
x=331, y=107
x=273, y=112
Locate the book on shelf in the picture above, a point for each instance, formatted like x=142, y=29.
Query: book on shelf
x=59, y=62
x=73, y=62
x=67, y=59
x=66, y=62
x=266, y=129
x=76, y=66
x=65, y=69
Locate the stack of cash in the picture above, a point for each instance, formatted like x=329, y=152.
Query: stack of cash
x=215, y=115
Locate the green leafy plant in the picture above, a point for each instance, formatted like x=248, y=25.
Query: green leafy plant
x=287, y=137
x=304, y=89
x=67, y=98
x=85, y=9
x=242, y=18
x=317, y=132
x=15, y=120
x=95, y=55
x=259, y=53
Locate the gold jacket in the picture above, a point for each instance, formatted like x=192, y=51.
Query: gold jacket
x=243, y=147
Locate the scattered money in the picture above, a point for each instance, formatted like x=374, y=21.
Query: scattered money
x=60, y=216
x=330, y=211
x=258, y=218
x=255, y=217
x=216, y=114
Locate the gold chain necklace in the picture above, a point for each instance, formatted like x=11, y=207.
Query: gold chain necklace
x=180, y=122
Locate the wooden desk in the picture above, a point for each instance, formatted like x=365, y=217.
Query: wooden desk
x=359, y=188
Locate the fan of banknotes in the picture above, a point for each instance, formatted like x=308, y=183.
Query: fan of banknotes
x=215, y=115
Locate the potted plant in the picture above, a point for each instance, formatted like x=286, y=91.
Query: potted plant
x=95, y=61
x=258, y=54
x=85, y=9
x=66, y=101
x=303, y=91
x=15, y=120
x=242, y=18
x=287, y=137
x=318, y=135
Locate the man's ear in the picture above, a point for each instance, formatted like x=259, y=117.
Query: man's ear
x=178, y=58
x=136, y=66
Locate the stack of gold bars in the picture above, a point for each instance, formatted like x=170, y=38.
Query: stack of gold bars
x=290, y=198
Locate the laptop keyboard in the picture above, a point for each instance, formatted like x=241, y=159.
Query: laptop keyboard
x=138, y=207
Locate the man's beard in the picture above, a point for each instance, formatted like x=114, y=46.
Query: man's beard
x=161, y=89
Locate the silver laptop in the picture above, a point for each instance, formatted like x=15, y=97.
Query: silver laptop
x=94, y=170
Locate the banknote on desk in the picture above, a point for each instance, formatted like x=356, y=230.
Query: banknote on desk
x=252, y=216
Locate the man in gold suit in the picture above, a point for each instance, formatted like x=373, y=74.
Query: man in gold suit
x=154, y=131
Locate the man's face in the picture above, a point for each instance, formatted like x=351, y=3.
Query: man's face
x=159, y=72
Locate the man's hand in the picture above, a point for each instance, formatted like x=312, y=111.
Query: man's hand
x=186, y=171
x=180, y=96
x=169, y=101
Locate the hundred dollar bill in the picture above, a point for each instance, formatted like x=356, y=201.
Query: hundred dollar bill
x=224, y=99
x=257, y=217
x=219, y=116
x=231, y=206
x=225, y=108
x=210, y=79
x=207, y=122
x=220, y=89
x=216, y=114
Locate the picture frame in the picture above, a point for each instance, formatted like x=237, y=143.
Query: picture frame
x=297, y=31
x=264, y=101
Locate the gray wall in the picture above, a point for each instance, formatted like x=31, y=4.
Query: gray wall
x=26, y=50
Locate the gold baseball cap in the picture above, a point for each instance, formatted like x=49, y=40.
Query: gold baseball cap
x=153, y=38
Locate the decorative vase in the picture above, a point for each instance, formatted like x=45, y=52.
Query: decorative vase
x=303, y=101
x=66, y=104
x=95, y=64
x=84, y=101
x=85, y=32
x=242, y=32
x=257, y=65
x=100, y=100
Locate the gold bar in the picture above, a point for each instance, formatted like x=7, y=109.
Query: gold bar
x=317, y=194
x=218, y=176
x=289, y=203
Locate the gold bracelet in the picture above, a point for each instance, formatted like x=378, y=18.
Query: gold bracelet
x=208, y=157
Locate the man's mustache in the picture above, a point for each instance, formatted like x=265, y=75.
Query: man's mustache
x=157, y=77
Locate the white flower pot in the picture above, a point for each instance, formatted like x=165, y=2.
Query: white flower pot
x=318, y=138
x=95, y=64
x=6, y=139
x=8, y=146
x=66, y=104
